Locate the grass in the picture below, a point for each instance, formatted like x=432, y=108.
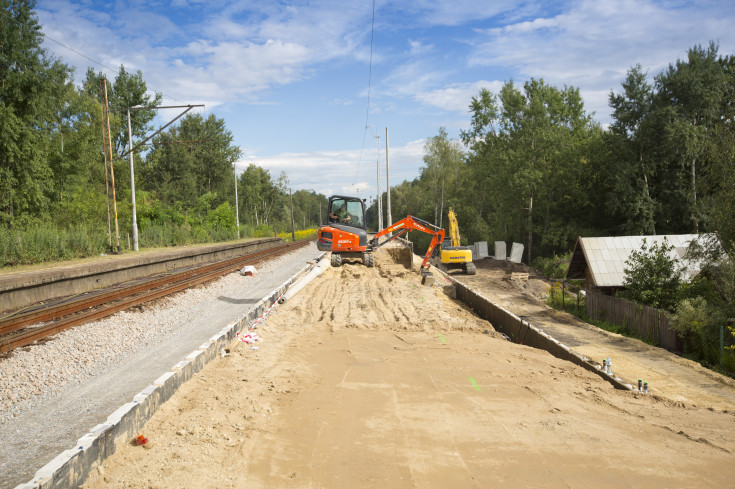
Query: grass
x=49, y=243
x=727, y=367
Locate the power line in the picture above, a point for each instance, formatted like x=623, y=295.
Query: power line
x=7, y=16
x=367, y=109
x=113, y=70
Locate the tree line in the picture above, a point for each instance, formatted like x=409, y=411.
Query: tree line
x=534, y=167
x=52, y=172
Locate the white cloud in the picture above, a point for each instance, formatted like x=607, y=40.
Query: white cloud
x=416, y=48
x=456, y=97
x=331, y=172
x=454, y=12
x=232, y=53
x=593, y=44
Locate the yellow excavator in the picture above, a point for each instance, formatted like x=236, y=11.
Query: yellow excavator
x=452, y=256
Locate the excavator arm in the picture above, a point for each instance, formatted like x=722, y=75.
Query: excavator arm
x=453, y=229
x=407, y=224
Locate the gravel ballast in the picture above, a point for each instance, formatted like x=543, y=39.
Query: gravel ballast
x=54, y=392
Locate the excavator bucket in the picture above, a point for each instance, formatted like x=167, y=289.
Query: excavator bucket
x=401, y=254
x=427, y=279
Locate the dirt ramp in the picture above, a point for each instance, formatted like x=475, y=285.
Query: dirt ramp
x=387, y=297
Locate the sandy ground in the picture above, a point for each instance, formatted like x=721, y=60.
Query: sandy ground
x=667, y=374
x=368, y=379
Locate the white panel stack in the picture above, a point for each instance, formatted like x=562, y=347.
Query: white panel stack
x=500, y=251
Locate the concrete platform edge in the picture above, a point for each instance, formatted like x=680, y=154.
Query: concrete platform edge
x=20, y=289
x=522, y=331
x=71, y=467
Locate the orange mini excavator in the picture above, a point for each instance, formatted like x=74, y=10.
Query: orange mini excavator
x=345, y=234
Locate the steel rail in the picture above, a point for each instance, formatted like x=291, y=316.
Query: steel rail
x=53, y=311
x=117, y=300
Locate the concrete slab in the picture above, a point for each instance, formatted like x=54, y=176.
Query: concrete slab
x=481, y=247
x=500, y=251
x=516, y=253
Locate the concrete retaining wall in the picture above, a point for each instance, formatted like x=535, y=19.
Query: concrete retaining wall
x=71, y=468
x=521, y=331
x=20, y=289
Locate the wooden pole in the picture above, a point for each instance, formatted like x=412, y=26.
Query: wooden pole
x=106, y=112
x=293, y=232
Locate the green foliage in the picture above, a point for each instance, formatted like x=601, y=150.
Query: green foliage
x=223, y=217
x=263, y=200
x=127, y=90
x=698, y=324
x=632, y=167
x=191, y=160
x=32, y=89
x=652, y=276
x=310, y=209
x=567, y=298
x=529, y=164
x=554, y=267
x=49, y=243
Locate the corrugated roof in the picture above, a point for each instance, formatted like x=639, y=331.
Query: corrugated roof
x=606, y=256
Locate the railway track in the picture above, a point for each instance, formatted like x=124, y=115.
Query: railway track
x=17, y=329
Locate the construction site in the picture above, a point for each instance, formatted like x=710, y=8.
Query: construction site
x=361, y=376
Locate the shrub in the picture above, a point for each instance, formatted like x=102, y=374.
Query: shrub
x=553, y=267
x=652, y=276
x=46, y=242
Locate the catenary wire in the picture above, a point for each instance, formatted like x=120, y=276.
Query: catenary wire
x=367, y=109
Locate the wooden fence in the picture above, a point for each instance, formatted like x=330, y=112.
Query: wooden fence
x=641, y=321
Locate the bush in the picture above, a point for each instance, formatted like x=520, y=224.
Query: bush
x=301, y=234
x=652, y=277
x=46, y=242
x=564, y=298
x=698, y=324
x=553, y=267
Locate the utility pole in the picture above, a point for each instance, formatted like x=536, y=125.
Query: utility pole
x=293, y=232
x=132, y=185
x=130, y=153
x=107, y=177
x=108, y=155
x=380, y=197
x=237, y=208
x=387, y=177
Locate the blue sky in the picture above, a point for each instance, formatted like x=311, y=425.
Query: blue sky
x=290, y=78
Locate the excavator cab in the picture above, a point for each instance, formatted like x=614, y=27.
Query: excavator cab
x=345, y=233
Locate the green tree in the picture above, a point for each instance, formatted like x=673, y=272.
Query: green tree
x=192, y=159
x=632, y=167
x=127, y=90
x=528, y=154
x=653, y=276
x=689, y=101
x=309, y=206
x=32, y=90
x=718, y=183
x=262, y=200
x=444, y=162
